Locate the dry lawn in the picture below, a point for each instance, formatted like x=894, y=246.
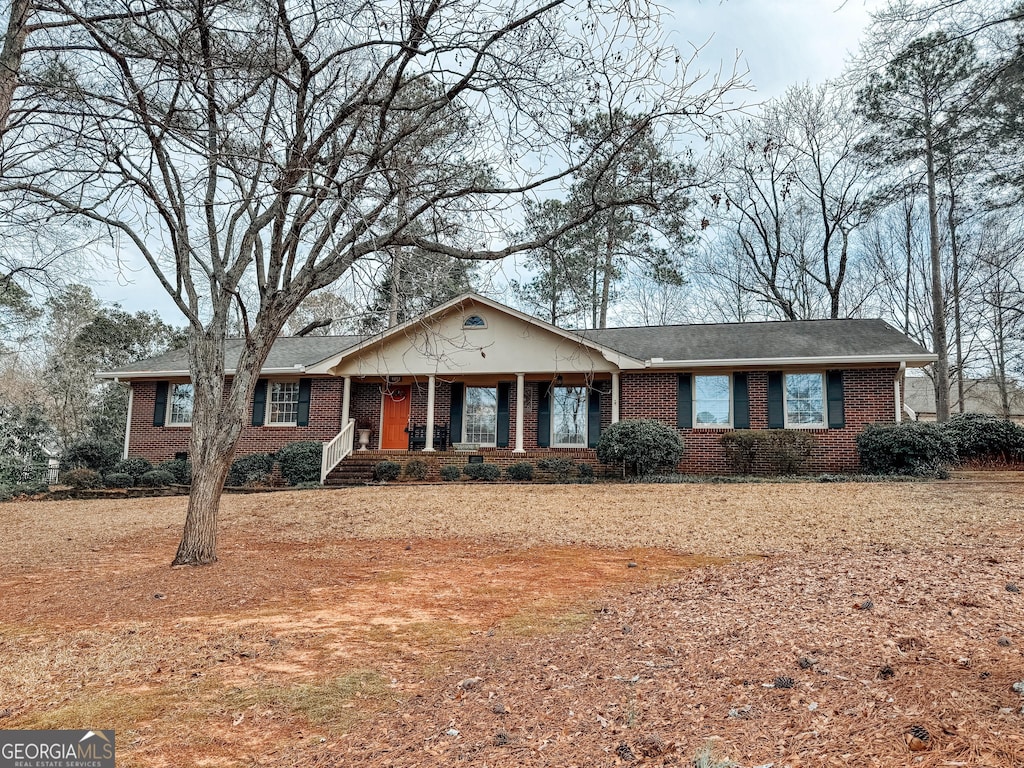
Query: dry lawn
x=338, y=625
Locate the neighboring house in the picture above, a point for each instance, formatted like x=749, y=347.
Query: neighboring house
x=496, y=381
x=980, y=396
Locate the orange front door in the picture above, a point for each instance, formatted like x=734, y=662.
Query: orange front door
x=396, y=418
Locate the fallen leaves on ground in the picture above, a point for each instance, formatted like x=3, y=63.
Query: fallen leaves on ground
x=504, y=625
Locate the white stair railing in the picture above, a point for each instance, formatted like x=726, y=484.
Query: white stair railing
x=336, y=450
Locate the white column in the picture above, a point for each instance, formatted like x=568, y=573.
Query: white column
x=520, y=408
x=128, y=422
x=429, y=446
x=346, y=401
x=615, y=398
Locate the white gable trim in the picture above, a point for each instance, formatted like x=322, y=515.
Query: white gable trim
x=612, y=356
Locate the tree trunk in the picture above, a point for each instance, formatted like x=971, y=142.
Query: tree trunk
x=938, y=300
x=553, y=282
x=954, y=249
x=606, y=277
x=394, y=299
x=908, y=224
x=10, y=57
x=217, y=419
x=199, y=539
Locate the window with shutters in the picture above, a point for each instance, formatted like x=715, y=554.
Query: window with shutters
x=179, y=405
x=480, y=422
x=712, y=401
x=805, y=400
x=283, y=403
x=568, y=417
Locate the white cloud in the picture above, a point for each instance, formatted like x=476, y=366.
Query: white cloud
x=780, y=42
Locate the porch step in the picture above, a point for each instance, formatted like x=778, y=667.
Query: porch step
x=352, y=471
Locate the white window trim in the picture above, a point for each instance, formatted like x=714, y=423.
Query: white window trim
x=465, y=420
x=586, y=418
x=732, y=416
x=170, y=404
x=823, y=424
x=266, y=413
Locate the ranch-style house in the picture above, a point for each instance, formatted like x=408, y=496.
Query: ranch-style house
x=475, y=377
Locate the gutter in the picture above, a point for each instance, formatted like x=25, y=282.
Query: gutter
x=897, y=384
x=917, y=361
x=118, y=375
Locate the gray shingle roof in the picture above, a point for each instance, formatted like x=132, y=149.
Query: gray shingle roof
x=759, y=341
x=287, y=352
x=763, y=341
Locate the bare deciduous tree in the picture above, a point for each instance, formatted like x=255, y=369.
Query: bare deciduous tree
x=263, y=148
x=793, y=193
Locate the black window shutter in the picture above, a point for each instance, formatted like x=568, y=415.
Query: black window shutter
x=836, y=411
x=503, y=414
x=593, y=418
x=544, y=416
x=740, y=401
x=259, y=403
x=776, y=408
x=455, y=413
x=684, y=401
x=160, y=405
x=305, y=390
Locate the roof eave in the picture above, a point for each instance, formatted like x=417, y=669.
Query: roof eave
x=125, y=375
x=914, y=361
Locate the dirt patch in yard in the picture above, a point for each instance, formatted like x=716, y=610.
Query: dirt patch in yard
x=606, y=624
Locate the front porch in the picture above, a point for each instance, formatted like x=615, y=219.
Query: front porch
x=519, y=411
x=516, y=414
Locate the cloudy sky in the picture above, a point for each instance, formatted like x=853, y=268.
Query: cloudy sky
x=778, y=42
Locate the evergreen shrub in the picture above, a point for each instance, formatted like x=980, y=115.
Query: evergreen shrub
x=253, y=469
x=386, y=471
x=300, y=461
x=640, y=446
x=82, y=478
x=910, y=448
x=482, y=471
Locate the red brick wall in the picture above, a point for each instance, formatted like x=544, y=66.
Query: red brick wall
x=161, y=443
x=648, y=396
x=868, y=399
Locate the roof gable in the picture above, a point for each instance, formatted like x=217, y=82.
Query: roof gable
x=472, y=335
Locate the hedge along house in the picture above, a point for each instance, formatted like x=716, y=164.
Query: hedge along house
x=476, y=377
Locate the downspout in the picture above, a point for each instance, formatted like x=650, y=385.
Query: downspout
x=896, y=386
x=128, y=421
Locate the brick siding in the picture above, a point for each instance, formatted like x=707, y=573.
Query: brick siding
x=162, y=443
x=868, y=397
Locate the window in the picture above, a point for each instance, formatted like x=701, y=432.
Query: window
x=283, y=403
x=481, y=415
x=568, y=416
x=805, y=400
x=179, y=404
x=474, y=322
x=712, y=401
